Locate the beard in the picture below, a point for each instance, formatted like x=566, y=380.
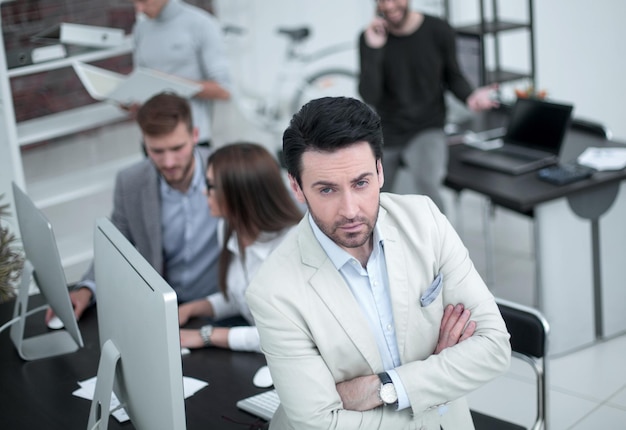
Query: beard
x=346, y=239
x=399, y=23
x=185, y=172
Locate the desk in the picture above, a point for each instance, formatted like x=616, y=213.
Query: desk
x=579, y=240
x=38, y=394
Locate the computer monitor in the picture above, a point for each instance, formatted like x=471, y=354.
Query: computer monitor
x=139, y=337
x=43, y=265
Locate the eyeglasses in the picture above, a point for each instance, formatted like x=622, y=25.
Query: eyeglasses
x=209, y=186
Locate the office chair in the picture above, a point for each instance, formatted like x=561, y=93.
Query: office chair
x=591, y=127
x=529, y=342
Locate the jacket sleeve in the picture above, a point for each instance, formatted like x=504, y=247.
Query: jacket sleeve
x=458, y=370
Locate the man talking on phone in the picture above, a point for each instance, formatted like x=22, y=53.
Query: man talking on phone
x=408, y=61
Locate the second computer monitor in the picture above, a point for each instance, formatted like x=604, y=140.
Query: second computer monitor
x=139, y=336
x=43, y=265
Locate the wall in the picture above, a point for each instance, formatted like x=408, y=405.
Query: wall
x=578, y=53
x=580, y=57
x=44, y=93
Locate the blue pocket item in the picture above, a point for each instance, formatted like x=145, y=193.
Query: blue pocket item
x=433, y=291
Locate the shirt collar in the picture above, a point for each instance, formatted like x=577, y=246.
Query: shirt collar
x=170, y=10
x=337, y=255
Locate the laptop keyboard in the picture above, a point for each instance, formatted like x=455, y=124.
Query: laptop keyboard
x=520, y=153
x=262, y=405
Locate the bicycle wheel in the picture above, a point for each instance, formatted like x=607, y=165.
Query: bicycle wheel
x=326, y=83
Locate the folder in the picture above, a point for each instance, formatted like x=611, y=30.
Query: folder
x=82, y=35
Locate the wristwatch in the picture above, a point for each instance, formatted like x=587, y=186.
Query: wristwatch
x=205, y=333
x=387, y=391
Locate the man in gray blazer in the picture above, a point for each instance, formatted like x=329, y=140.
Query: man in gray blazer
x=159, y=205
x=364, y=310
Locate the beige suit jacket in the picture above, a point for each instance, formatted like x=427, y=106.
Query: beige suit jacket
x=314, y=334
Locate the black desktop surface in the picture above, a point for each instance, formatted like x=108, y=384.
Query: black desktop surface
x=38, y=394
x=522, y=193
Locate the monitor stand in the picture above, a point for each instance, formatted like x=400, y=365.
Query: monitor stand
x=101, y=404
x=41, y=346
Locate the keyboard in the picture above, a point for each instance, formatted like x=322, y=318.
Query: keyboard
x=562, y=174
x=262, y=405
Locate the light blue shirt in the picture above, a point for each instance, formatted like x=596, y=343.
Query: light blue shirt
x=190, y=249
x=185, y=41
x=370, y=287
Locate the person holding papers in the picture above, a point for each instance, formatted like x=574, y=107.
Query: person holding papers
x=179, y=39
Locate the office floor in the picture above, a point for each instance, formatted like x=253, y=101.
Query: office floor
x=587, y=388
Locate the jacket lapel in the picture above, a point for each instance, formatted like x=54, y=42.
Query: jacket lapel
x=336, y=295
x=151, y=214
x=397, y=271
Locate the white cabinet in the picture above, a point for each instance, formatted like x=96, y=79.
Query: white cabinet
x=70, y=178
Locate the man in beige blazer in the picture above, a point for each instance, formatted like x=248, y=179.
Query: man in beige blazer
x=364, y=310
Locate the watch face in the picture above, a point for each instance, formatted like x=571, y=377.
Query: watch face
x=388, y=394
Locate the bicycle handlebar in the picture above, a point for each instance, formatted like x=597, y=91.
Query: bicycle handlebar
x=298, y=34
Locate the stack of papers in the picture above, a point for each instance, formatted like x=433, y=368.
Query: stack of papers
x=88, y=387
x=603, y=158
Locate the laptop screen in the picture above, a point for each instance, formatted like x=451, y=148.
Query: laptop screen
x=538, y=124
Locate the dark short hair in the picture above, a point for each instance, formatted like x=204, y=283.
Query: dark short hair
x=328, y=124
x=162, y=113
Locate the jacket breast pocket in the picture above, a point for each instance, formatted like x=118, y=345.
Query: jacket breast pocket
x=432, y=291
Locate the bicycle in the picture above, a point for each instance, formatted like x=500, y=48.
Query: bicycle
x=295, y=84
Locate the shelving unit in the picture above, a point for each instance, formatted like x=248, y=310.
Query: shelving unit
x=71, y=178
x=493, y=27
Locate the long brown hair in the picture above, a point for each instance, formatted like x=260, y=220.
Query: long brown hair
x=252, y=195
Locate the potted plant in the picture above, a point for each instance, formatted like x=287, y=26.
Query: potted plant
x=11, y=259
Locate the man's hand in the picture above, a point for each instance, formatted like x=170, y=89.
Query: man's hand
x=360, y=394
x=482, y=98
x=196, y=308
x=131, y=108
x=376, y=33
x=455, y=327
x=80, y=299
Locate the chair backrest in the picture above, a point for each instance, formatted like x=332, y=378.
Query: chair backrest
x=529, y=341
x=591, y=127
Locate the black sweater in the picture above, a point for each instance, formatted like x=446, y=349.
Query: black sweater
x=405, y=80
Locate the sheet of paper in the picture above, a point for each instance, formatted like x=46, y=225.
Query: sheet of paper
x=603, y=158
x=88, y=387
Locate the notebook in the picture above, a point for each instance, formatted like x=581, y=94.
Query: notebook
x=532, y=139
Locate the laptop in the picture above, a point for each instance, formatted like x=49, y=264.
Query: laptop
x=532, y=139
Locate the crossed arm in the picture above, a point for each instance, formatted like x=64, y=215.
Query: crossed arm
x=361, y=393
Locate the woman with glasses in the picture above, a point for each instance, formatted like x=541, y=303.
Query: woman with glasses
x=246, y=190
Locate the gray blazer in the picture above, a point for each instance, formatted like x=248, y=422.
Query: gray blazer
x=314, y=334
x=137, y=210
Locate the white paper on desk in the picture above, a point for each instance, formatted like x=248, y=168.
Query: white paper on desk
x=603, y=158
x=88, y=387
x=137, y=87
